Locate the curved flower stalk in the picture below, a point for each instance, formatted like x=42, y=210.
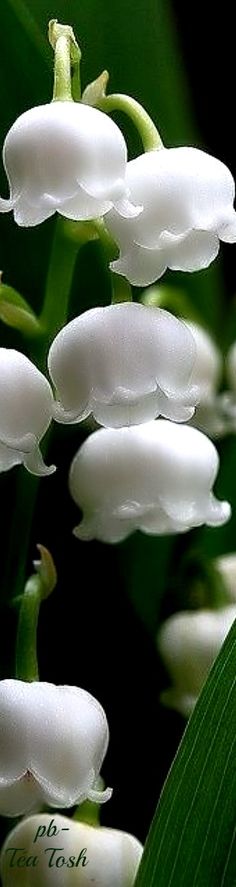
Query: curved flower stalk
x=188, y=644
x=187, y=198
x=26, y=408
x=53, y=741
x=155, y=477
x=68, y=158
x=125, y=364
x=69, y=854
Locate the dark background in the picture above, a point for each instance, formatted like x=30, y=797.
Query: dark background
x=98, y=629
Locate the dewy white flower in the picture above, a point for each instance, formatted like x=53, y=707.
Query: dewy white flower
x=187, y=198
x=53, y=741
x=26, y=408
x=68, y=854
x=125, y=364
x=188, y=644
x=155, y=477
x=65, y=157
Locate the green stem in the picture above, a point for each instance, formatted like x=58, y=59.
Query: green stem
x=26, y=645
x=62, y=78
x=66, y=63
x=144, y=124
x=53, y=316
x=58, y=285
x=121, y=289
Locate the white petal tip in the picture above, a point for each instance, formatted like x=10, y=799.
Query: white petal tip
x=6, y=205
x=100, y=797
x=126, y=209
x=35, y=465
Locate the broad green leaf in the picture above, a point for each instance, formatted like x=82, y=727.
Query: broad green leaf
x=192, y=838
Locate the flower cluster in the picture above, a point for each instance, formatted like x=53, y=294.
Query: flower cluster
x=141, y=374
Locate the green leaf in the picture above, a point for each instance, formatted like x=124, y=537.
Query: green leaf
x=191, y=841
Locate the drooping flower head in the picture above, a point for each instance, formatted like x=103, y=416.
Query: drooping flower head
x=156, y=477
x=187, y=198
x=98, y=855
x=189, y=643
x=26, y=408
x=53, y=741
x=125, y=364
x=65, y=157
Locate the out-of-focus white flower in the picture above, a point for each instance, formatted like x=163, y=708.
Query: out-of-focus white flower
x=155, y=477
x=231, y=366
x=188, y=644
x=26, y=408
x=69, y=854
x=126, y=364
x=65, y=157
x=226, y=564
x=209, y=415
x=53, y=741
x=187, y=198
x=208, y=362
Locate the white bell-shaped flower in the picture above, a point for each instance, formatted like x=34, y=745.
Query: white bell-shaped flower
x=65, y=157
x=188, y=643
x=60, y=852
x=125, y=364
x=26, y=408
x=53, y=741
x=155, y=477
x=187, y=198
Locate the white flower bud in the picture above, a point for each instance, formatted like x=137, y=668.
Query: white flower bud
x=187, y=198
x=60, y=852
x=65, y=157
x=26, y=408
x=189, y=643
x=226, y=564
x=125, y=364
x=155, y=477
x=53, y=741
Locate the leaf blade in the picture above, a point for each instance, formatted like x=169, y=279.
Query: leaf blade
x=190, y=843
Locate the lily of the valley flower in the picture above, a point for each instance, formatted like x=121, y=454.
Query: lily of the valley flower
x=125, y=364
x=65, y=157
x=187, y=198
x=64, y=853
x=155, y=477
x=26, y=408
x=53, y=741
x=188, y=644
